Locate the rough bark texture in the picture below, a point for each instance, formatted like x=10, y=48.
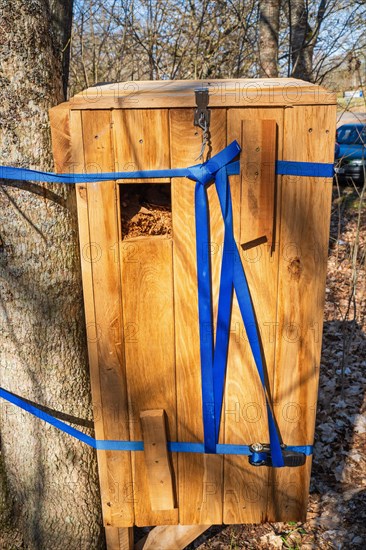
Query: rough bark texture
x=301, y=41
x=269, y=22
x=50, y=477
x=61, y=22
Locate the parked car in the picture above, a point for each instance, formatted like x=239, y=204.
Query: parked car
x=350, y=153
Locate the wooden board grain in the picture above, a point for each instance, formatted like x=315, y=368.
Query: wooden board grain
x=302, y=270
x=141, y=141
x=157, y=460
x=200, y=477
x=223, y=93
x=258, y=180
x=171, y=537
x=246, y=487
x=147, y=282
x=103, y=235
x=119, y=538
x=61, y=141
x=86, y=256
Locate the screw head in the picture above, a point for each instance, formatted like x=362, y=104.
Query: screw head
x=257, y=447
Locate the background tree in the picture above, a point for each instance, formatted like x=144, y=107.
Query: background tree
x=269, y=25
x=117, y=40
x=50, y=489
x=51, y=484
x=316, y=36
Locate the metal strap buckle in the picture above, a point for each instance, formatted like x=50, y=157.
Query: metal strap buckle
x=202, y=114
x=261, y=456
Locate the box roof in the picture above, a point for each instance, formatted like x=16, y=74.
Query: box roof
x=222, y=93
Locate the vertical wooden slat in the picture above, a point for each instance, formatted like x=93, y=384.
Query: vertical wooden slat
x=149, y=348
x=170, y=537
x=200, y=477
x=61, y=140
x=309, y=136
x=246, y=487
x=157, y=460
x=68, y=159
x=141, y=140
x=86, y=255
x=258, y=177
x=103, y=228
x=119, y=538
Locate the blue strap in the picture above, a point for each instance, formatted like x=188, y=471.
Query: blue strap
x=225, y=296
x=111, y=445
x=213, y=357
x=310, y=169
x=205, y=316
x=283, y=167
x=203, y=174
x=47, y=417
x=232, y=276
x=25, y=174
x=250, y=323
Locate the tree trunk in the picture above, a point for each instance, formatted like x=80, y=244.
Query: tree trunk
x=61, y=24
x=51, y=479
x=269, y=22
x=301, y=43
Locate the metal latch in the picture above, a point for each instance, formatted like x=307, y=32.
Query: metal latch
x=261, y=456
x=202, y=114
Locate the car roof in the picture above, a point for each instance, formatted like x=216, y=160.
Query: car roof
x=353, y=125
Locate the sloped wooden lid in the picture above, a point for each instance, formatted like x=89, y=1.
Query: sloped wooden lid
x=222, y=93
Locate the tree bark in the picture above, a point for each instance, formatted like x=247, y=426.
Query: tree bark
x=301, y=43
x=51, y=479
x=269, y=23
x=61, y=25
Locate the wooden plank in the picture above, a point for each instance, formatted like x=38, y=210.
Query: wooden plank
x=258, y=184
x=246, y=487
x=60, y=133
x=157, y=460
x=304, y=237
x=110, y=376
x=119, y=538
x=148, y=310
x=200, y=477
x=223, y=93
x=74, y=161
x=171, y=537
x=141, y=141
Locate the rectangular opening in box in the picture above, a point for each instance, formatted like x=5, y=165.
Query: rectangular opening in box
x=146, y=210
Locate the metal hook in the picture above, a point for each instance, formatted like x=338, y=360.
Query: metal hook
x=202, y=118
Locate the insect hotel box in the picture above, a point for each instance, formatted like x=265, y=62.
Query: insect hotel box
x=203, y=291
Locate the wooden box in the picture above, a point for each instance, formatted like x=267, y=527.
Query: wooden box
x=140, y=290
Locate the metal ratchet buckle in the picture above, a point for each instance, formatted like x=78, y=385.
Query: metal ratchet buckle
x=292, y=459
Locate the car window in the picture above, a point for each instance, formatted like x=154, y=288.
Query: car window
x=351, y=135
x=362, y=136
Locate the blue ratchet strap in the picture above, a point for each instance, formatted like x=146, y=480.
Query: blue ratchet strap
x=211, y=377
x=309, y=169
x=283, y=167
x=213, y=357
x=24, y=174
x=232, y=276
x=225, y=295
x=205, y=316
x=110, y=445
